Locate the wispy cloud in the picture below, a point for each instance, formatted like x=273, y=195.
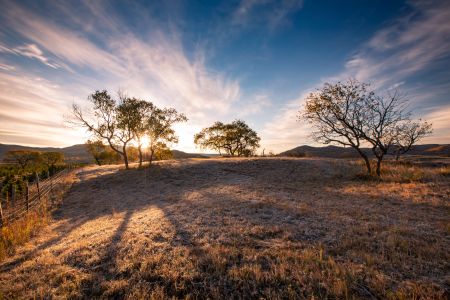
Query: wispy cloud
x=155, y=67
x=30, y=51
x=402, y=49
x=274, y=13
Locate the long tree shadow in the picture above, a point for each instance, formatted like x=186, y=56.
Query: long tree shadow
x=167, y=188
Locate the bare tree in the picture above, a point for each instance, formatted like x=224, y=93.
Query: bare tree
x=409, y=134
x=338, y=114
x=104, y=123
x=352, y=115
x=384, y=118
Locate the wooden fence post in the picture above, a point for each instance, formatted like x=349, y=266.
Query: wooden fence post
x=13, y=195
x=27, y=196
x=37, y=185
x=1, y=214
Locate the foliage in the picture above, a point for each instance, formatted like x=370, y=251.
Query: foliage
x=23, y=158
x=159, y=128
x=236, y=138
x=101, y=153
x=162, y=152
x=351, y=114
x=130, y=119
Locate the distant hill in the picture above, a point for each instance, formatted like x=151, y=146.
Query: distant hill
x=75, y=153
x=180, y=154
x=341, y=152
x=78, y=153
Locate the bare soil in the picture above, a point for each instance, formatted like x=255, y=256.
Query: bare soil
x=239, y=228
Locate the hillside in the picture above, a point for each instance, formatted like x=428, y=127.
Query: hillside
x=257, y=228
x=341, y=152
x=78, y=153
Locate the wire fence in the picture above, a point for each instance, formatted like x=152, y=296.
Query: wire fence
x=38, y=194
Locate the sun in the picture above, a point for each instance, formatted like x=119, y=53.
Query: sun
x=145, y=141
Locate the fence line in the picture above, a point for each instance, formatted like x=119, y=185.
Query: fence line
x=36, y=194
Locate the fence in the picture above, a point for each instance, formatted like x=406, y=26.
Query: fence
x=37, y=194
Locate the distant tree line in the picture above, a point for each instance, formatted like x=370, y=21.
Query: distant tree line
x=351, y=114
x=23, y=165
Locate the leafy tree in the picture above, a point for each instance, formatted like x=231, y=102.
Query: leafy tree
x=51, y=159
x=159, y=128
x=133, y=114
x=352, y=115
x=101, y=153
x=109, y=122
x=235, y=139
x=162, y=152
x=24, y=158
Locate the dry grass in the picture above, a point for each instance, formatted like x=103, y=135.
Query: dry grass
x=241, y=228
x=18, y=232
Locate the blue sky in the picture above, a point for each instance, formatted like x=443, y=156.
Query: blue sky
x=216, y=60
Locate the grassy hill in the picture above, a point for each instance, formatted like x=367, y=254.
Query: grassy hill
x=257, y=228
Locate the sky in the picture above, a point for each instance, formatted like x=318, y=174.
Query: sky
x=254, y=60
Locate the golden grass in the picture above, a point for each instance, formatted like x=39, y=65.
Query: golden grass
x=18, y=232
x=243, y=228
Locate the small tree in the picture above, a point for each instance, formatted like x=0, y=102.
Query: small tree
x=235, y=139
x=350, y=114
x=24, y=158
x=108, y=122
x=338, y=114
x=159, y=128
x=408, y=135
x=162, y=152
x=212, y=137
x=52, y=159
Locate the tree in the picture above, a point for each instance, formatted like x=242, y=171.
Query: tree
x=350, y=114
x=162, y=152
x=235, y=139
x=51, y=159
x=159, y=128
x=24, y=158
x=101, y=153
x=212, y=137
x=108, y=122
x=409, y=134
x=338, y=115
x=136, y=112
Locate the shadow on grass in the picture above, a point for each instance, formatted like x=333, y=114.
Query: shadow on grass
x=166, y=186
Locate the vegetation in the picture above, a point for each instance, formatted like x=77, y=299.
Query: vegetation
x=23, y=167
x=235, y=139
x=119, y=123
x=352, y=115
x=101, y=153
x=272, y=228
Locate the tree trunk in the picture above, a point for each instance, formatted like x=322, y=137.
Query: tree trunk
x=125, y=156
x=379, y=166
x=140, y=155
x=151, y=156
x=366, y=160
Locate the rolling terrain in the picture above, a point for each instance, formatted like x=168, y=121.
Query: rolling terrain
x=241, y=228
x=78, y=153
x=341, y=152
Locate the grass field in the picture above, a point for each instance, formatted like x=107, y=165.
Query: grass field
x=242, y=228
